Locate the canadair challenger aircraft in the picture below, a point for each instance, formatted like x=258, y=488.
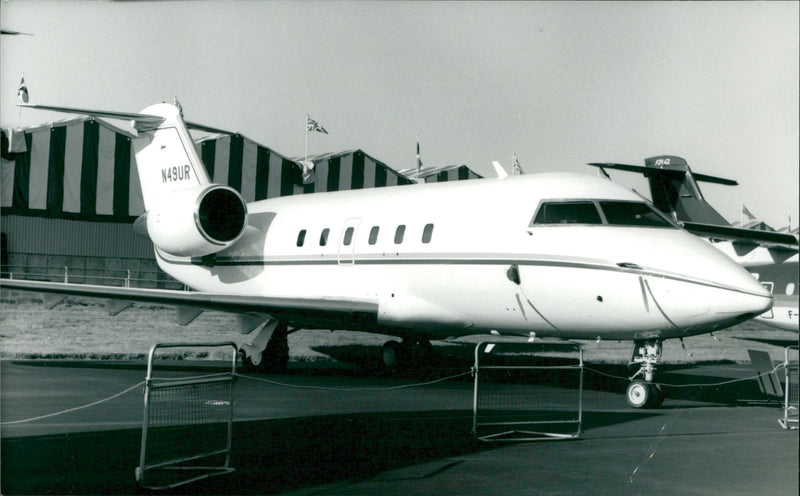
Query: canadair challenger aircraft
x=562, y=255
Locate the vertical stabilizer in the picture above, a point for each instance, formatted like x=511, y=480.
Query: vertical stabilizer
x=674, y=189
x=165, y=155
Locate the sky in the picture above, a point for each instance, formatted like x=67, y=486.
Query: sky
x=559, y=84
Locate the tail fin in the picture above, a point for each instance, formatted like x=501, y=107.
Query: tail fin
x=674, y=189
x=165, y=154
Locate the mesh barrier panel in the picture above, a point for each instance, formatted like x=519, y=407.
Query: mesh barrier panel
x=187, y=420
x=791, y=390
x=527, y=391
x=186, y=430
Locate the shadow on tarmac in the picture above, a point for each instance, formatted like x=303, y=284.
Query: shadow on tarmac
x=704, y=386
x=269, y=456
x=272, y=456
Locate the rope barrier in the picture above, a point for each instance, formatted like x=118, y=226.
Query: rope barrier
x=390, y=388
x=749, y=378
x=11, y=422
x=323, y=388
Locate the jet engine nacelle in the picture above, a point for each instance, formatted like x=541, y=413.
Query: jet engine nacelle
x=197, y=221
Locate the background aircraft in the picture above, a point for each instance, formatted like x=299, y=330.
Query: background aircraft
x=772, y=257
x=563, y=255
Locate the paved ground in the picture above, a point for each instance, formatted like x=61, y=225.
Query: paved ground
x=331, y=431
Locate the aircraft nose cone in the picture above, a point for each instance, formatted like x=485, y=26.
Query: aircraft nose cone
x=714, y=292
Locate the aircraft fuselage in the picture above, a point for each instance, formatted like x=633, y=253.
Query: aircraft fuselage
x=452, y=259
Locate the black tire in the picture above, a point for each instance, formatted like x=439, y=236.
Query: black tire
x=656, y=396
x=391, y=355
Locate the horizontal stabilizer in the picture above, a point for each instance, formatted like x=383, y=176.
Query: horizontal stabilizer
x=736, y=234
x=143, y=118
x=651, y=171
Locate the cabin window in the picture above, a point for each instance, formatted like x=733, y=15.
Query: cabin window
x=790, y=288
x=323, y=237
x=348, y=236
x=399, y=233
x=620, y=213
x=568, y=212
x=301, y=237
x=427, y=233
x=373, y=235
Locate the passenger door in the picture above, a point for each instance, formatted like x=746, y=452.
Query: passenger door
x=347, y=242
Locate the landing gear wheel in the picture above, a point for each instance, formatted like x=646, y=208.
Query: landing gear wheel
x=638, y=393
x=390, y=354
x=275, y=356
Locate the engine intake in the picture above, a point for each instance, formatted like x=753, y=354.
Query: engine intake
x=197, y=221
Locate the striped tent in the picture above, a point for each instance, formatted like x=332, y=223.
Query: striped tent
x=85, y=169
x=255, y=171
x=80, y=168
x=352, y=169
x=442, y=174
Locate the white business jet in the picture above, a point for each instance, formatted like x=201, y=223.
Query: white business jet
x=562, y=255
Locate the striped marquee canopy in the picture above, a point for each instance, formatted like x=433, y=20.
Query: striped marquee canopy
x=442, y=174
x=84, y=168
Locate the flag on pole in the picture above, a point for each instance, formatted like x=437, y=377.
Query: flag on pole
x=312, y=125
x=419, y=160
x=22, y=92
x=747, y=213
x=515, y=164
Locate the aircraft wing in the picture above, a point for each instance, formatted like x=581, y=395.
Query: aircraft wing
x=304, y=312
x=770, y=239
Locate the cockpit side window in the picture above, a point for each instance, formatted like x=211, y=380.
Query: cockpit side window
x=567, y=212
x=621, y=213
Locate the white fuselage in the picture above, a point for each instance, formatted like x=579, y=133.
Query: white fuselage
x=464, y=244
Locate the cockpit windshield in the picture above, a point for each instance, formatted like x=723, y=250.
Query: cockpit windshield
x=568, y=212
x=619, y=213
x=600, y=212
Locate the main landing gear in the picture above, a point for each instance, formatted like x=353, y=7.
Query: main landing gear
x=643, y=393
x=394, y=354
x=269, y=351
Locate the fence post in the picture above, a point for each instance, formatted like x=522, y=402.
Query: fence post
x=66, y=274
x=128, y=278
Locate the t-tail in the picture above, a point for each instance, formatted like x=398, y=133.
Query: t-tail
x=674, y=190
x=185, y=213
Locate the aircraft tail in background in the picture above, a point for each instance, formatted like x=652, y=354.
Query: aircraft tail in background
x=674, y=190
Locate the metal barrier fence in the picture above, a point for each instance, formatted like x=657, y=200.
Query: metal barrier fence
x=187, y=425
x=528, y=391
x=791, y=389
x=87, y=275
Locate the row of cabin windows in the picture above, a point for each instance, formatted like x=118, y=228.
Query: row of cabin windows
x=399, y=234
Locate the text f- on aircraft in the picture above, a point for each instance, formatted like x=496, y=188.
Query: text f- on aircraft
x=562, y=255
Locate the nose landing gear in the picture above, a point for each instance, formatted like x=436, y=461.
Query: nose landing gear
x=643, y=393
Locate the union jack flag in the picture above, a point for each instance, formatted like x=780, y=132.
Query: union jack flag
x=22, y=92
x=312, y=125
